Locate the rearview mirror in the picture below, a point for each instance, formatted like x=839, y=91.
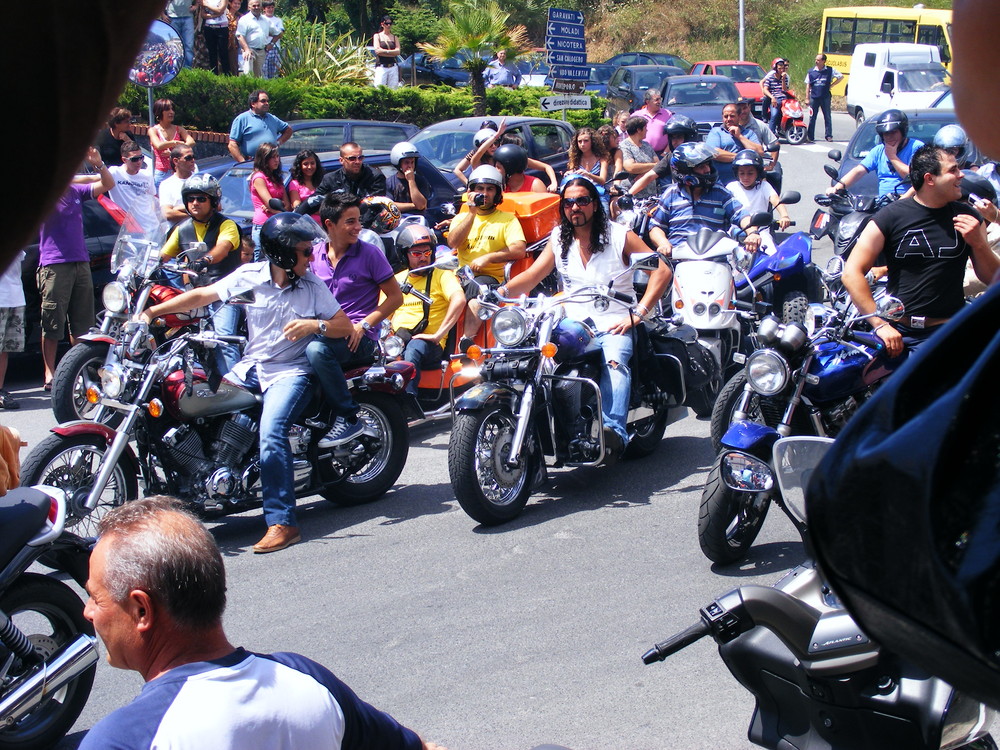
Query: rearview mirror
x=790, y=197
x=890, y=308
x=831, y=171
x=645, y=261
x=834, y=154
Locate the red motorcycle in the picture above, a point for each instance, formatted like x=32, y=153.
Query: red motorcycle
x=792, y=124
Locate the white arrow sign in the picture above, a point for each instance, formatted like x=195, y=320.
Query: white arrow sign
x=552, y=103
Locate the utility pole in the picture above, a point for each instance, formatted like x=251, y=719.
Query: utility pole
x=743, y=31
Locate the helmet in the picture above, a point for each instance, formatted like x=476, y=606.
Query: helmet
x=685, y=158
x=482, y=136
x=919, y=568
x=973, y=184
x=682, y=125
x=572, y=339
x=776, y=62
x=953, y=137
x=892, y=119
x=379, y=214
x=513, y=158
x=282, y=234
x=204, y=184
x=487, y=175
x=402, y=150
x=750, y=158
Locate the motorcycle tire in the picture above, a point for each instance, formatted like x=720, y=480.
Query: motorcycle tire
x=728, y=521
x=796, y=134
x=795, y=307
x=725, y=405
x=76, y=372
x=384, y=415
x=647, y=437
x=51, y=615
x=72, y=463
x=488, y=490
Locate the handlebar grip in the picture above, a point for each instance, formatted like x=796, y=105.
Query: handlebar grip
x=676, y=642
x=621, y=297
x=229, y=339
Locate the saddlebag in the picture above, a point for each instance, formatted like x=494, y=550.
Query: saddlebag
x=693, y=361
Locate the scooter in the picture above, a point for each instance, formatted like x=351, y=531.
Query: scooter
x=792, y=124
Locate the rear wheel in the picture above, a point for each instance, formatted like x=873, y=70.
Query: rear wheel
x=794, y=307
x=647, y=437
x=729, y=521
x=796, y=134
x=859, y=117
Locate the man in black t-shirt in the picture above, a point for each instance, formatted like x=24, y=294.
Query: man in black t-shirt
x=354, y=176
x=927, y=240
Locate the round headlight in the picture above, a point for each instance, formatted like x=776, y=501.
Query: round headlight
x=115, y=297
x=393, y=346
x=767, y=372
x=510, y=326
x=112, y=380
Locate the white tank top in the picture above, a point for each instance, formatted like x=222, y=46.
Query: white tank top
x=599, y=271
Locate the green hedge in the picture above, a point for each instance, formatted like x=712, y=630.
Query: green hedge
x=205, y=101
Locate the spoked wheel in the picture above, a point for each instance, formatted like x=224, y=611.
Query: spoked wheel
x=487, y=488
x=725, y=405
x=50, y=615
x=383, y=419
x=72, y=464
x=796, y=134
x=729, y=521
x=76, y=372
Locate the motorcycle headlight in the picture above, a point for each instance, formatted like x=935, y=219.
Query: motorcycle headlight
x=393, y=346
x=767, y=372
x=510, y=326
x=112, y=380
x=115, y=297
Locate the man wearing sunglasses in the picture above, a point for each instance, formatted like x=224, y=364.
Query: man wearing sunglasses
x=171, y=204
x=354, y=176
x=134, y=190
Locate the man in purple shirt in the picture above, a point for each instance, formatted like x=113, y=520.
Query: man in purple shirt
x=63, y=275
x=658, y=116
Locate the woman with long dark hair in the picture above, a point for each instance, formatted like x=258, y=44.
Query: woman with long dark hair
x=588, y=156
x=307, y=173
x=163, y=136
x=267, y=181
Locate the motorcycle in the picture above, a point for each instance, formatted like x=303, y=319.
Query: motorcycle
x=540, y=399
x=201, y=445
x=819, y=682
x=847, y=215
x=798, y=383
x=48, y=653
x=792, y=124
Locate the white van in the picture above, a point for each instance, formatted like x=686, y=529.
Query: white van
x=904, y=76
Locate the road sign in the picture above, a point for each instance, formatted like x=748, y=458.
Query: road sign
x=570, y=72
x=566, y=16
x=561, y=86
x=552, y=103
x=567, y=58
x=565, y=44
x=571, y=30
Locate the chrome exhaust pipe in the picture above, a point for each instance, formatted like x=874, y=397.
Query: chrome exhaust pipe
x=63, y=667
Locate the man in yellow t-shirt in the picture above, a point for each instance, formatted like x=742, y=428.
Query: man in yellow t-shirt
x=426, y=324
x=486, y=239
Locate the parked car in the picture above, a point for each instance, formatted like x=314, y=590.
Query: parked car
x=746, y=75
x=924, y=125
x=444, y=144
x=430, y=72
x=597, y=83
x=648, y=58
x=629, y=84
x=894, y=76
x=534, y=71
x=945, y=101
x=699, y=97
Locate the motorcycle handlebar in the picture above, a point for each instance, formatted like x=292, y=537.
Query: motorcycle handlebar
x=620, y=297
x=676, y=642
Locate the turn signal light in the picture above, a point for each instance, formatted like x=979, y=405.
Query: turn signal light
x=549, y=349
x=679, y=304
x=93, y=395
x=474, y=352
x=155, y=408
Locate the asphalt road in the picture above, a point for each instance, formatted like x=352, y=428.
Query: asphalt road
x=503, y=638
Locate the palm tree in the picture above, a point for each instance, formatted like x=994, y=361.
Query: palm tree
x=477, y=31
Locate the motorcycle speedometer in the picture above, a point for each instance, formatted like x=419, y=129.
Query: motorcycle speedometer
x=510, y=326
x=115, y=297
x=767, y=372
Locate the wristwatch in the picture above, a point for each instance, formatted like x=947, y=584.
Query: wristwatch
x=366, y=325
x=322, y=327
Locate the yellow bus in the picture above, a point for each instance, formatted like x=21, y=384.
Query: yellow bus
x=843, y=28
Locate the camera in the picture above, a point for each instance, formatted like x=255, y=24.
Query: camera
x=478, y=199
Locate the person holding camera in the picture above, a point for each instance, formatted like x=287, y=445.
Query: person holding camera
x=424, y=325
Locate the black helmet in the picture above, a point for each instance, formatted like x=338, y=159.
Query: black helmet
x=750, y=158
x=204, y=184
x=682, y=125
x=903, y=511
x=973, y=184
x=283, y=233
x=892, y=119
x=685, y=158
x=513, y=158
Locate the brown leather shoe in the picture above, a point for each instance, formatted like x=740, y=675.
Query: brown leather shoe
x=277, y=538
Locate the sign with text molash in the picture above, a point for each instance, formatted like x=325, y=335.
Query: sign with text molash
x=566, y=48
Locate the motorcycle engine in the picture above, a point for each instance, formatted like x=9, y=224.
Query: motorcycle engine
x=236, y=437
x=836, y=417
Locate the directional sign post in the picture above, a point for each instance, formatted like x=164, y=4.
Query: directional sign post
x=552, y=103
x=566, y=47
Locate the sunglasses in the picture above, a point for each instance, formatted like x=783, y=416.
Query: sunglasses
x=353, y=158
x=583, y=200
x=196, y=199
x=421, y=253
x=189, y=157
x=134, y=159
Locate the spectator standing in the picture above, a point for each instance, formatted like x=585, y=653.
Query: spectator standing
x=354, y=176
x=267, y=181
x=618, y=121
x=215, y=29
x=110, y=139
x=587, y=156
x=307, y=173
x=256, y=126
x=818, y=82
x=253, y=33
x=638, y=156
x=387, y=51
x=11, y=323
x=134, y=190
x=407, y=189
x=163, y=136
x=171, y=202
x=180, y=14
x=657, y=116
x=501, y=73
x=272, y=61
x=64, y=281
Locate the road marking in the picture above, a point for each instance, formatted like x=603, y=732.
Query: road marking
x=820, y=148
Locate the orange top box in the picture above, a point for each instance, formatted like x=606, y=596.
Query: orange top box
x=538, y=213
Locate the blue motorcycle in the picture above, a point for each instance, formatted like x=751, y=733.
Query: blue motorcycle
x=804, y=379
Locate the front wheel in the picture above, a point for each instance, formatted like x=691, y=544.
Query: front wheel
x=729, y=521
x=76, y=372
x=487, y=488
x=50, y=615
x=725, y=405
x=72, y=464
x=796, y=134
x=382, y=417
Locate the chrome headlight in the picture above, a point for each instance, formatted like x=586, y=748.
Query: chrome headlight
x=767, y=372
x=393, y=346
x=112, y=380
x=510, y=326
x=115, y=297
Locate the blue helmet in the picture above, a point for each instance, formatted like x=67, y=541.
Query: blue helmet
x=572, y=337
x=685, y=158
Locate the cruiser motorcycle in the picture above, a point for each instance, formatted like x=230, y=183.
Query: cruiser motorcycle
x=539, y=399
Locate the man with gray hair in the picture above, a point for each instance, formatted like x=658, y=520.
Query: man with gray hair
x=157, y=590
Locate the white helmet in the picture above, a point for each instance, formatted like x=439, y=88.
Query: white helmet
x=402, y=150
x=482, y=136
x=486, y=174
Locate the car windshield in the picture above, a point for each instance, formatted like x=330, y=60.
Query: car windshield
x=741, y=73
x=945, y=102
x=700, y=92
x=660, y=58
x=236, y=192
x=924, y=79
x=444, y=148
x=922, y=130
x=649, y=80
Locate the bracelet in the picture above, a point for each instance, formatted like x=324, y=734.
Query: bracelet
x=100, y=166
x=879, y=326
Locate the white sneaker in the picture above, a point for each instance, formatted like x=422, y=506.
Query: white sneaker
x=342, y=432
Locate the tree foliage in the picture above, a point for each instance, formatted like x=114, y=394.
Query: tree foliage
x=311, y=51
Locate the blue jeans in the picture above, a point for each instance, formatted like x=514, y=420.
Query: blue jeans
x=226, y=321
x=258, y=254
x=424, y=355
x=616, y=381
x=159, y=177
x=283, y=403
x=329, y=358
x=775, y=115
x=185, y=29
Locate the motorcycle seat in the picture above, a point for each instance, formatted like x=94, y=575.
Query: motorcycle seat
x=23, y=511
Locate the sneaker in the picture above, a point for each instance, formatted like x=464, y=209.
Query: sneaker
x=7, y=401
x=829, y=137
x=343, y=431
